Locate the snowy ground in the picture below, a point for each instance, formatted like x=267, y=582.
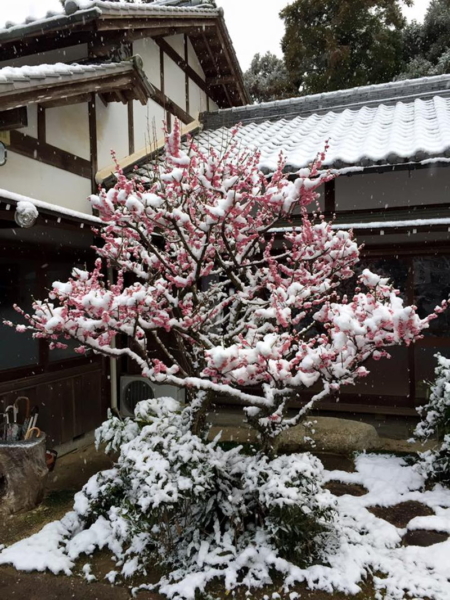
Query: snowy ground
x=369, y=546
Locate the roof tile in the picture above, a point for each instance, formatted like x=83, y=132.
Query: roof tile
x=367, y=135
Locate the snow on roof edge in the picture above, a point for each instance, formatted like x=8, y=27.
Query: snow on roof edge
x=6, y=195
x=376, y=224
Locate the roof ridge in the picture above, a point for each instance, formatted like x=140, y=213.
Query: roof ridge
x=73, y=6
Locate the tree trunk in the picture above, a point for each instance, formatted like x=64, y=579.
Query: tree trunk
x=200, y=403
x=23, y=473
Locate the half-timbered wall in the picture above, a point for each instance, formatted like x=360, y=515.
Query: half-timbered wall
x=56, y=156
x=24, y=175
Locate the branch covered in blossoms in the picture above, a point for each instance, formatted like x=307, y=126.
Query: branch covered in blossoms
x=210, y=298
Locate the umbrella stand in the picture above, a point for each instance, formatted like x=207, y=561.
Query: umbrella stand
x=23, y=473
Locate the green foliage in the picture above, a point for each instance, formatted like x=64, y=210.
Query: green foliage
x=267, y=79
x=427, y=46
x=435, y=423
x=336, y=44
x=199, y=509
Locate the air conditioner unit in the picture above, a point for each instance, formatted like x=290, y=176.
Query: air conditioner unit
x=133, y=389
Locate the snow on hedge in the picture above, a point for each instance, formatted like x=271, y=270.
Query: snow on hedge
x=367, y=544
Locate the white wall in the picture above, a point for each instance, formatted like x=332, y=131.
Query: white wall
x=149, y=51
x=64, y=55
x=148, y=125
x=177, y=43
x=29, y=177
x=193, y=60
x=67, y=127
x=112, y=132
x=213, y=106
x=398, y=188
x=198, y=101
x=174, y=82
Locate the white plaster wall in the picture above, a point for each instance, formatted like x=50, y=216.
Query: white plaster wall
x=149, y=51
x=174, y=82
x=31, y=128
x=29, y=177
x=400, y=188
x=64, y=55
x=213, y=107
x=112, y=132
x=193, y=60
x=197, y=100
x=177, y=43
x=67, y=127
x=148, y=125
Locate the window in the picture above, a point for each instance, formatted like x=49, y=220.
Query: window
x=18, y=284
x=431, y=286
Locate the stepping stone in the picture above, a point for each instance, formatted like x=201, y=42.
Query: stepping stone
x=424, y=537
x=338, y=436
x=401, y=514
x=337, y=488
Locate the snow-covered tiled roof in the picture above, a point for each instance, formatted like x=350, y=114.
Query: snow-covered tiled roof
x=20, y=86
x=369, y=95
x=18, y=77
x=384, y=124
x=91, y=9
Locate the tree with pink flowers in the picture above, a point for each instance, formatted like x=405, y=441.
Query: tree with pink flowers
x=213, y=296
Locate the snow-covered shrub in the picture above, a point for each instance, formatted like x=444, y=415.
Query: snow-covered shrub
x=115, y=431
x=435, y=424
x=196, y=508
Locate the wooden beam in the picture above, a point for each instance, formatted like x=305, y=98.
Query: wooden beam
x=232, y=60
x=217, y=68
x=77, y=99
x=330, y=197
x=13, y=119
x=168, y=104
x=122, y=23
x=226, y=80
x=41, y=123
x=44, y=41
x=50, y=155
x=101, y=45
x=186, y=76
x=130, y=127
x=92, y=112
x=161, y=68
